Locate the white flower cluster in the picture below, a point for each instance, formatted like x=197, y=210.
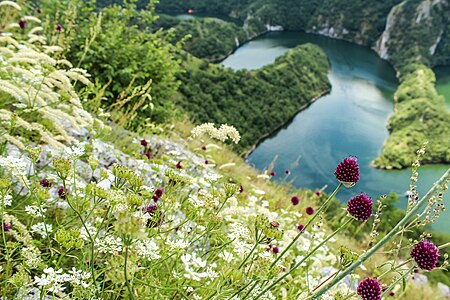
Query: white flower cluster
x=222, y=134
x=109, y=244
x=76, y=150
x=6, y=200
x=53, y=280
x=191, y=261
x=35, y=210
x=32, y=257
x=17, y=167
x=148, y=249
x=43, y=229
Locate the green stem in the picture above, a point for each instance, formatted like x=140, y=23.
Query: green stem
x=387, y=237
x=130, y=291
x=305, y=258
x=248, y=255
x=306, y=226
x=397, y=281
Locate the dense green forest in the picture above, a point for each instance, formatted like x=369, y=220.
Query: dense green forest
x=255, y=102
x=210, y=38
x=421, y=115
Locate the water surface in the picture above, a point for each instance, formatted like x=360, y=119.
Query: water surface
x=351, y=120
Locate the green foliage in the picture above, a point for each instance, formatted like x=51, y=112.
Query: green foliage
x=415, y=32
x=210, y=38
x=255, y=102
x=121, y=51
x=421, y=115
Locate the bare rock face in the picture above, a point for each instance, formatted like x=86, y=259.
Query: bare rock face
x=415, y=18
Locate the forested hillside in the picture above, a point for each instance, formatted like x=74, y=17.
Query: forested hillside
x=255, y=102
x=411, y=34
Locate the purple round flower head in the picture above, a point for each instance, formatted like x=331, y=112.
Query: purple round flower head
x=287, y=172
x=360, y=207
x=151, y=208
x=22, y=24
x=318, y=193
x=6, y=227
x=300, y=227
x=45, y=183
x=158, y=194
x=63, y=193
x=275, y=250
x=178, y=165
x=347, y=172
x=272, y=173
x=155, y=218
x=295, y=200
x=206, y=162
x=426, y=255
x=59, y=27
x=144, y=143
x=369, y=289
x=241, y=189
x=204, y=148
x=309, y=210
x=148, y=154
x=39, y=11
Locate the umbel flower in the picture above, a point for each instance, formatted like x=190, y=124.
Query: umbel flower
x=426, y=255
x=360, y=207
x=369, y=289
x=347, y=172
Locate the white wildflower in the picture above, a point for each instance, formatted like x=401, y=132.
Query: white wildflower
x=109, y=244
x=196, y=202
x=32, y=257
x=78, y=277
x=239, y=232
x=16, y=166
x=76, y=150
x=148, y=249
x=42, y=229
x=222, y=134
x=92, y=231
x=7, y=200
x=35, y=210
x=191, y=261
x=177, y=245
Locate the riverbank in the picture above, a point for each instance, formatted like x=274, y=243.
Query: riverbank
x=264, y=136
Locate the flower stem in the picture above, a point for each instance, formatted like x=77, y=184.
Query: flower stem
x=305, y=258
x=397, y=281
x=248, y=255
x=444, y=246
x=306, y=226
x=411, y=214
x=130, y=291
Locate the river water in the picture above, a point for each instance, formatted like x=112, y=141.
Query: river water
x=349, y=121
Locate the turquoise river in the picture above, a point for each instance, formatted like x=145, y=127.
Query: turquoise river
x=350, y=120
